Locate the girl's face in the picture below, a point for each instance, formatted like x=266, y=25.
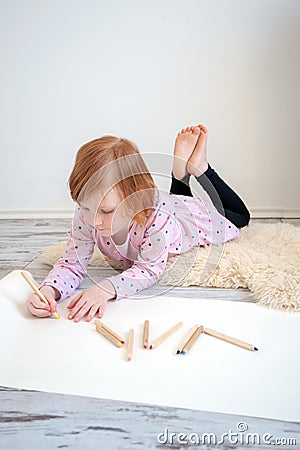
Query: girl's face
x=106, y=213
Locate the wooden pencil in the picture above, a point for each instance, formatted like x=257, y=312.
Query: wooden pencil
x=230, y=339
x=146, y=334
x=165, y=336
x=109, y=330
x=130, y=344
x=186, y=339
x=193, y=339
x=37, y=291
x=107, y=335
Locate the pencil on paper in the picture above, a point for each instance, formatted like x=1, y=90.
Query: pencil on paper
x=37, y=291
x=230, y=339
x=106, y=334
x=165, y=336
x=186, y=339
x=130, y=344
x=193, y=339
x=109, y=330
x=146, y=334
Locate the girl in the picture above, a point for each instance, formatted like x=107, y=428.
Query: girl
x=123, y=213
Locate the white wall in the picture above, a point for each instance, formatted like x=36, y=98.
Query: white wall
x=75, y=70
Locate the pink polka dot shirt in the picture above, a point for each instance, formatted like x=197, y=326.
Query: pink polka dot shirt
x=177, y=224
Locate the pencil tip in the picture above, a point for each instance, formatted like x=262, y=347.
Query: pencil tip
x=129, y=359
x=183, y=353
x=256, y=349
x=151, y=346
x=178, y=351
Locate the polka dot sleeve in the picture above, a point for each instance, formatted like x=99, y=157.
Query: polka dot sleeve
x=71, y=267
x=150, y=262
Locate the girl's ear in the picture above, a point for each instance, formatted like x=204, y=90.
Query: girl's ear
x=127, y=212
x=128, y=207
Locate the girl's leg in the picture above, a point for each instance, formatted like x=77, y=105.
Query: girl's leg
x=232, y=206
x=181, y=187
x=226, y=201
x=185, y=143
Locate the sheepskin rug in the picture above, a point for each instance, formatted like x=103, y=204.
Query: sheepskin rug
x=265, y=259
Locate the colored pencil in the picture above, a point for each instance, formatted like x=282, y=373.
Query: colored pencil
x=130, y=344
x=107, y=335
x=37, y=291
x=109, y=330
x=186, y=339
x=230, y=339
x=193, y=339
x=165, y=336
x=146, y=334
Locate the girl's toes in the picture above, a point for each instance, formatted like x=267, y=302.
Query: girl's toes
x=203, y=128
x=196, y=131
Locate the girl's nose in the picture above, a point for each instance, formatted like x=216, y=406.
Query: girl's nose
x=98, y=221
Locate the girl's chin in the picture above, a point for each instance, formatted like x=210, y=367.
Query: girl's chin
x=107, y=232
x=104, y=232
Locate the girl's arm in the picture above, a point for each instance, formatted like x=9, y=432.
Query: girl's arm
x=151, y=261
x=70, y=269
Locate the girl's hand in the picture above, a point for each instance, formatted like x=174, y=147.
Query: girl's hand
x=40, y=309
x=92, y=301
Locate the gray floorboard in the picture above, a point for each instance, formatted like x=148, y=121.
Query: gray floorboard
x=30, y=419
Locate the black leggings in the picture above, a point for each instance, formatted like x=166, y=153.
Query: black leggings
x=226, y=201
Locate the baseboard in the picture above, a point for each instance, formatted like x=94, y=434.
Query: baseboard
x=255, y=212
x=37, y=214
x=274, y=213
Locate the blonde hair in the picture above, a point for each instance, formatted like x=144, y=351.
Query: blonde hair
x=114, y=162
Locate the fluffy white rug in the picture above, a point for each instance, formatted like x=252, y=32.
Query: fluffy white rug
x=265, y=258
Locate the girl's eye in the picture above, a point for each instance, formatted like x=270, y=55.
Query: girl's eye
x=85, y=209
x=108, y=212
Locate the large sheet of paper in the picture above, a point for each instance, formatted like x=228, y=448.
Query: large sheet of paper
x=73, y=358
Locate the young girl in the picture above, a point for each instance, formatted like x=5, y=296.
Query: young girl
x=123, y=213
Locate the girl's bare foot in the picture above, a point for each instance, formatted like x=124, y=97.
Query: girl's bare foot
x=197, y=163
x=184, y=145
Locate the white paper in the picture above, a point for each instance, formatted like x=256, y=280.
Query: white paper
x=72, y=358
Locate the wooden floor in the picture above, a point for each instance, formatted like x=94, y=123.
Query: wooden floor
x=32, y=419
